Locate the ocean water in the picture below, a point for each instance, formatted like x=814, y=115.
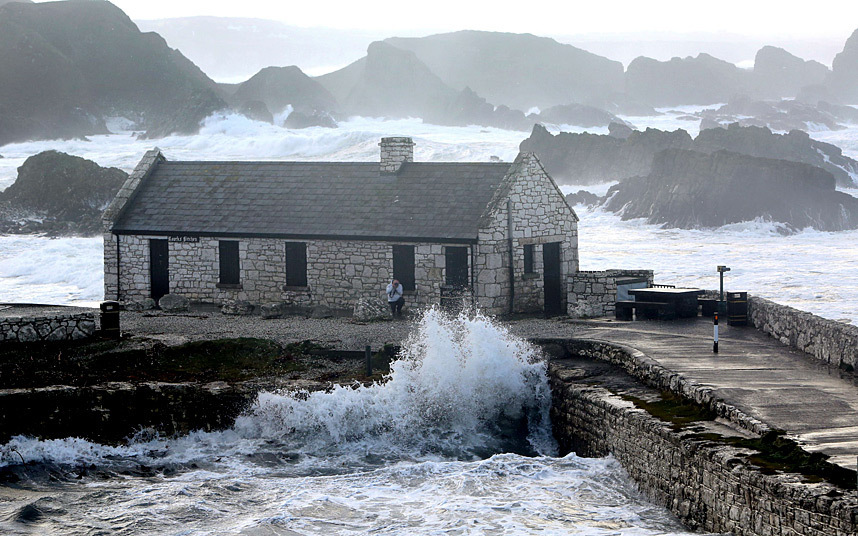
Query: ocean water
x=457, y=441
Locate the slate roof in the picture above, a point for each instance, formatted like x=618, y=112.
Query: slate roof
x=423, y=201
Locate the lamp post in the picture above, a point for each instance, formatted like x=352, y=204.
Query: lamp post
x=722, y=306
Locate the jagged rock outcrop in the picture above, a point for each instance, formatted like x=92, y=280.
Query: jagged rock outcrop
x=591, y=158
x=780, y=115
x=843, y=81
x=517, y=70
x=60, y=194
x=778, y=74
x=796, y=146
x=700, y=80
x=67, y=66
x=583, y=197
x=579, y=115
x=691, y=189
x=279, y=87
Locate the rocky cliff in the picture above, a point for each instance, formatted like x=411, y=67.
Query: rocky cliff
x=843, y=82
x=278, y=87
x=67, y=66
x=700, y=80
x=778, y=74
x=591, y=158
x=392, y=82
x=690, y=189
x=517, y=70
x=59, y=194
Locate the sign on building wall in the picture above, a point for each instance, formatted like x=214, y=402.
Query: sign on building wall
x=185, y=239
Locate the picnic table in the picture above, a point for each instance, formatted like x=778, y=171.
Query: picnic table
x=683, y=300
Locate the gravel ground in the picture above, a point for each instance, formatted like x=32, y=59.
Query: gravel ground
x=340, y=333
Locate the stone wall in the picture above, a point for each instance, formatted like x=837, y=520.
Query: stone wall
x=708, y=485
x=594, y=293
x=52, y=324
x=833, y=342
x=540, y=215
x=338, y=272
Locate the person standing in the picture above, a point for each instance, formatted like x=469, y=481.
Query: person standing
x=394, y=298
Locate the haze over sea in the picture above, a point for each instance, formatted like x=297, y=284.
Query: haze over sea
x=810, y=270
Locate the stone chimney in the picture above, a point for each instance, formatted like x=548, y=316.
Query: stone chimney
x=395, y=151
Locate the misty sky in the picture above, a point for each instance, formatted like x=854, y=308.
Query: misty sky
x=560, y=17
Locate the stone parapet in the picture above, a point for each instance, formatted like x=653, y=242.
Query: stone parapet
x=593, y=294
x=707, y=484
x=50, y=325
x=830, y=341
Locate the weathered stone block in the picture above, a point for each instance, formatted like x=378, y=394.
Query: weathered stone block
x=174, y=303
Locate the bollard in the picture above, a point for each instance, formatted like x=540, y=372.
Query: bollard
x=715, y=344
x=368, y=355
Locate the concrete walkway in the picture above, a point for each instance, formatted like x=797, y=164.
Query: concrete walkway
x=815, y=404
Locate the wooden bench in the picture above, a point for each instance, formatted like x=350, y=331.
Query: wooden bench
x=644, y=309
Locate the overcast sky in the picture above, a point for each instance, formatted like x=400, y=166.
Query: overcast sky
x=558, y=17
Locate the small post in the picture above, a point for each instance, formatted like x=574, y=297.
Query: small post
x=722, y=306
x=368, y=355
x=715, y=344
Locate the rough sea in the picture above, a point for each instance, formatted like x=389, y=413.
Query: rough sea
x=436, y=449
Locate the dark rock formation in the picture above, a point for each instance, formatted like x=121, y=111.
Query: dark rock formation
x=590, y=158
x=593, y=158
x=700, y=80
x=620, y=130
x=778, y=74
x=843, y=81
x=583, y=197
x=579, y=115
x=518, y=70
x=796, y=146
x=279, y=87
x=68, y=65
x=299, y=119
x=690, y=189
x=256, y=110
x=59, y=194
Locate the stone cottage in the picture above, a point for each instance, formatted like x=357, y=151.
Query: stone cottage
x=329, y=233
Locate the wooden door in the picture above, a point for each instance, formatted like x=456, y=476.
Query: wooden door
x=159, y=268
x=552, y=279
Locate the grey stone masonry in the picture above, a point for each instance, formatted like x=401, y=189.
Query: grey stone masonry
x=827, y=340
x=395, y=152
x=710, y=485
x=495, y=211
x=594, y=293
x=539, y=215
x=46, y=324
x=339, y=272
x=114, y=210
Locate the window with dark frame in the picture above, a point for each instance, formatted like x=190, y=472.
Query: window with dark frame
x=296, y=264
x=456, y=266
x=403, y=267
x=528, y=258
x=230, y=268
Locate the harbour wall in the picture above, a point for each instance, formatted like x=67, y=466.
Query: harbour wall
x=710, y=485
x=45, y=323
x=830, y=341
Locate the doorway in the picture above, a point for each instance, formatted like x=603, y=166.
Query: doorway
x=552, y=283
x=159, y=268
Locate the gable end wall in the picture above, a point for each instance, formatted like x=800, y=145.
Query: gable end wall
x=540, y=215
